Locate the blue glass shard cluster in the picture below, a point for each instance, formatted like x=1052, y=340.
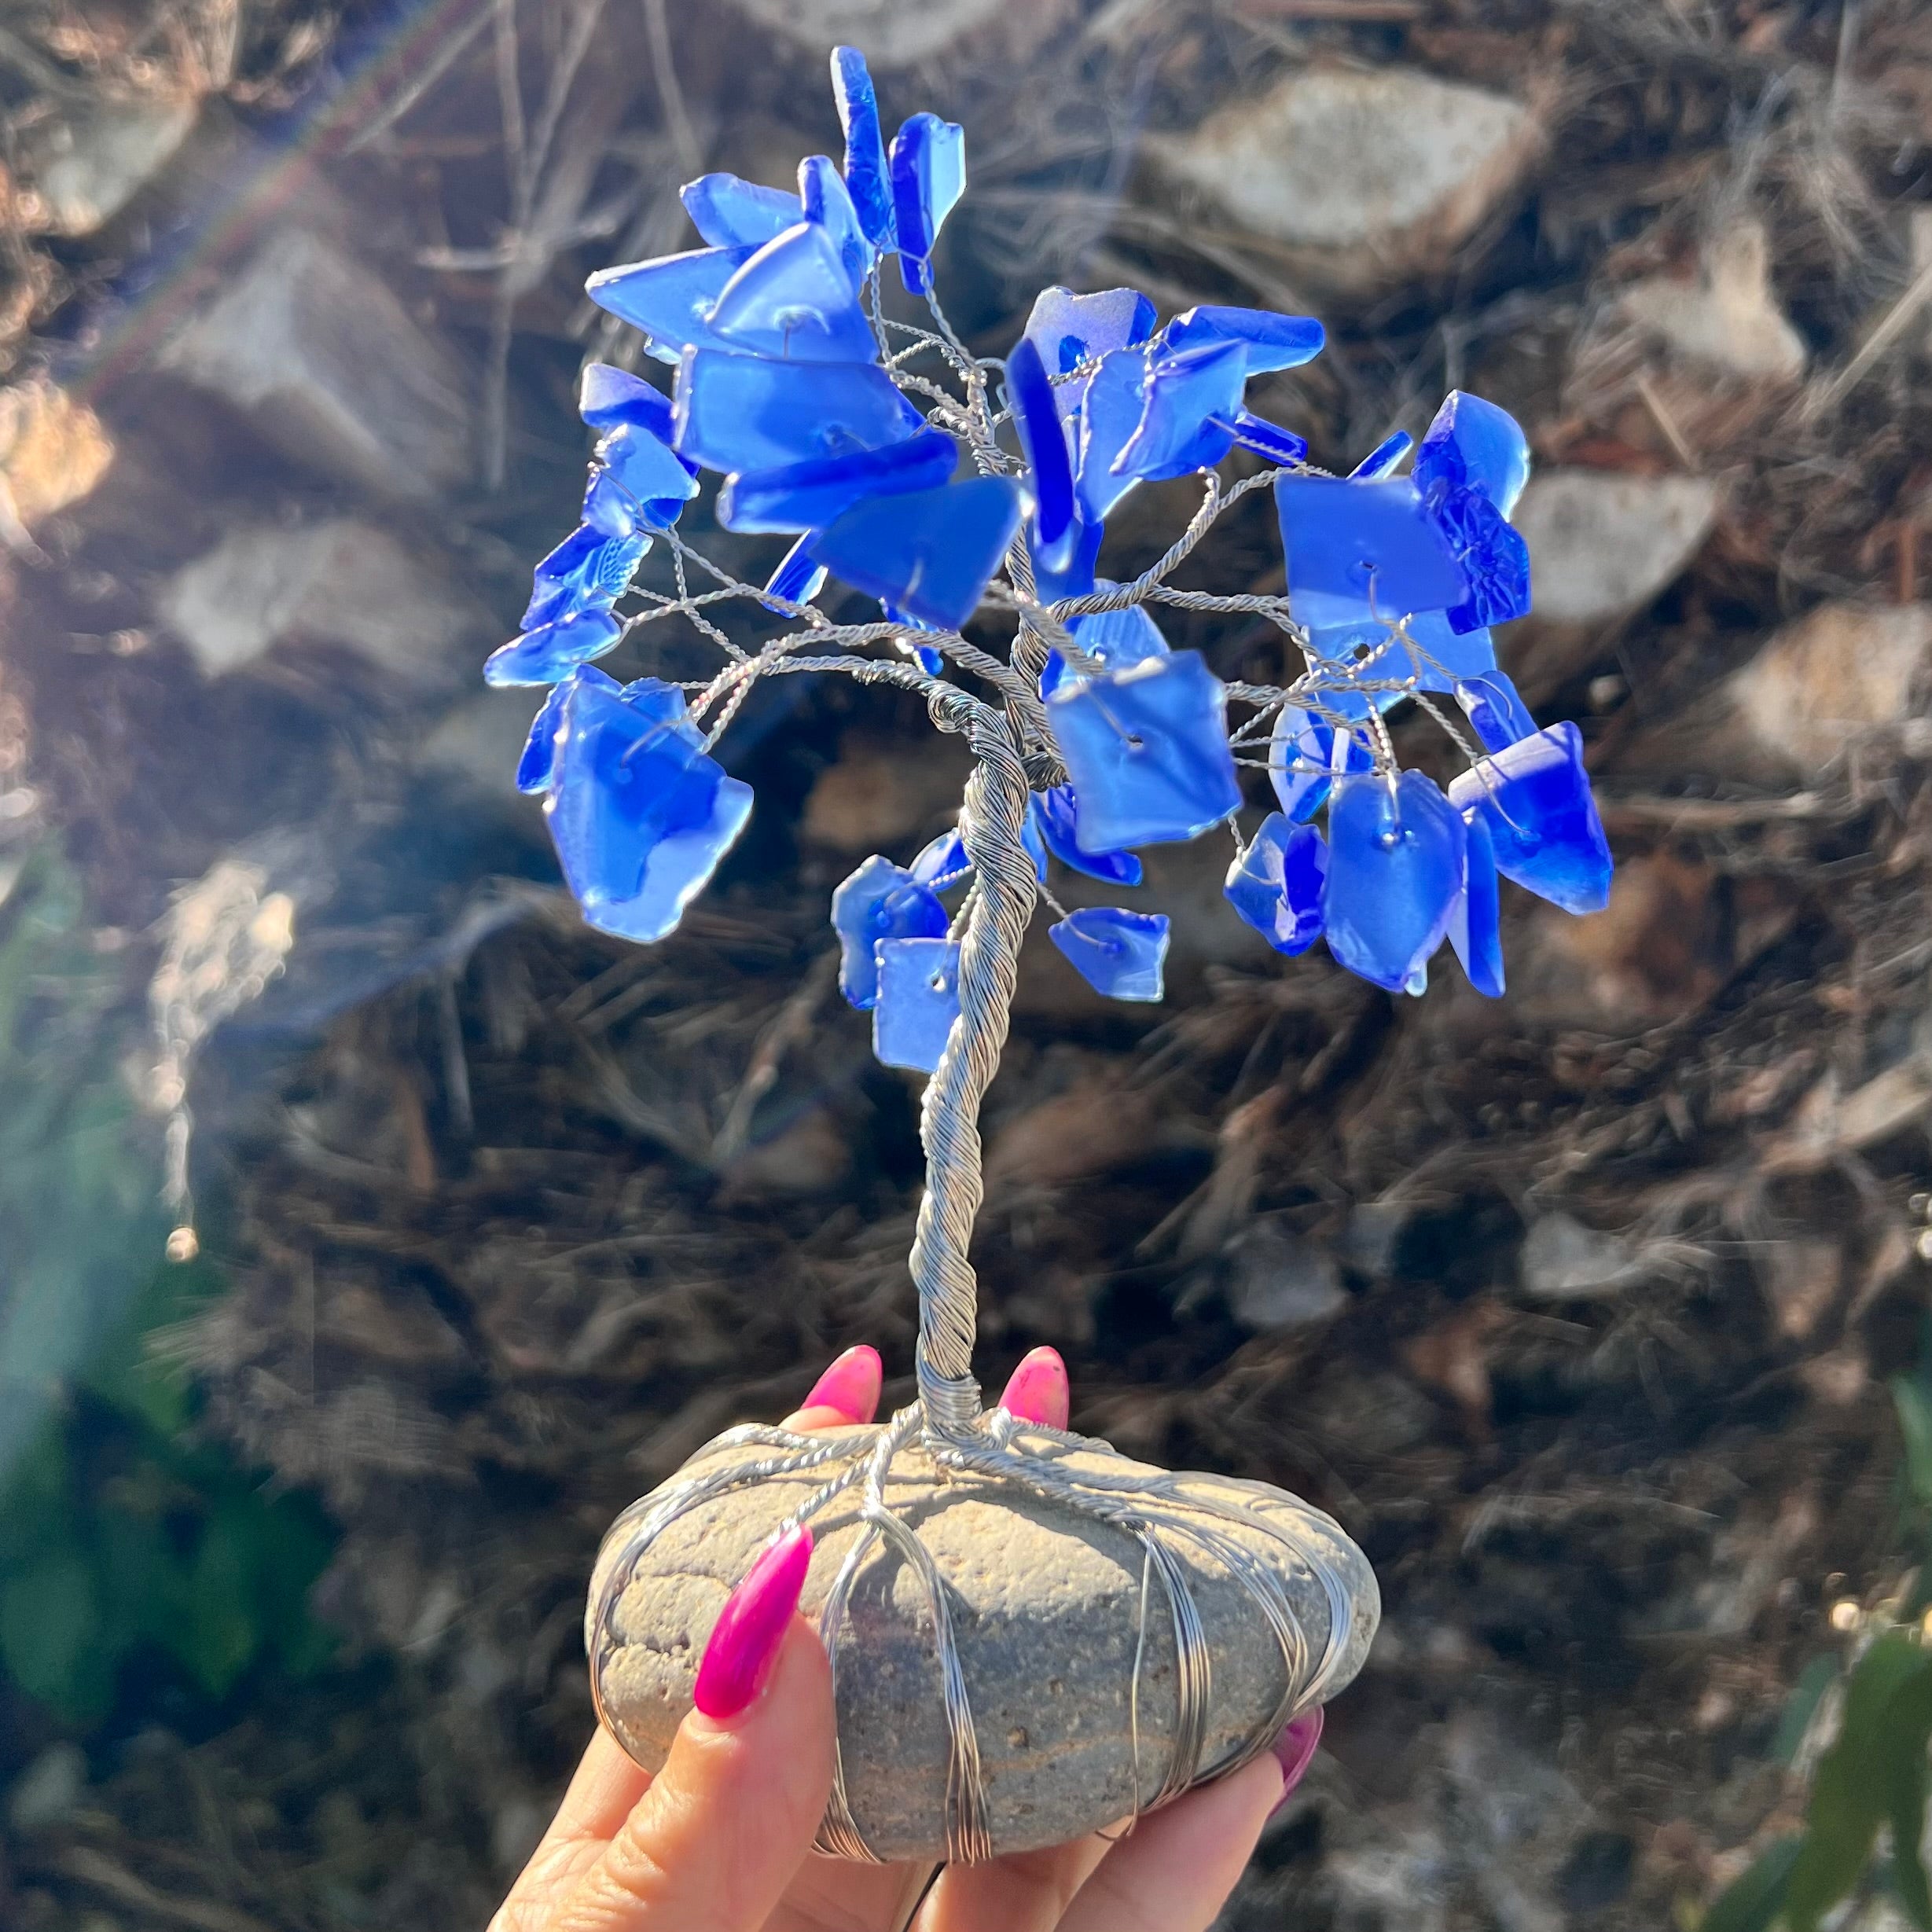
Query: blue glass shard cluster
x=791, y=386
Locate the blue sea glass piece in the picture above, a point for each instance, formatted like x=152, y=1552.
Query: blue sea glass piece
x=553, y=650
x=928, y=163
x=798, y=579
x=609, y=398
x=1348, y=537
x=1115, y=638
x=586, y=571
x=1115, y=399
x=793, y=300
x=730, y=213
x=1474, y=927
x=753, y=412
x=1473, y=445
x=1543, y=821
x=880, y=900
x=931, y=661
x=826, y=199
x=1271, y=341
x=1069, y=329
x=1306, y=756
x=1265, y=438
x=1492, y=557
x=639, y=813
x=670, y=297
x=1383, y=459
x=930, y=553
x=1055, y=813
x=1190, y=395
x=867, y=175
x=1346, y=639
x=809, y=495
x=533, y=769
x=1043, y=441
x=1495, y=713
x=1275, y=884
x=1073, y=577
x=1146, y=750
x=918, y=1002
x=1396, y=856
x=942, y=861
x=648, y=470
x=1120, y=955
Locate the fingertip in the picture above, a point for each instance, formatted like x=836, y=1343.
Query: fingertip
x=1037, y=1389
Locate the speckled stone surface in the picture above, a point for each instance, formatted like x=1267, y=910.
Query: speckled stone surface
x=1046, y=1609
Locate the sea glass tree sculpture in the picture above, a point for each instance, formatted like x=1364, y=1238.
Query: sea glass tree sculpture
x=1031, y=1636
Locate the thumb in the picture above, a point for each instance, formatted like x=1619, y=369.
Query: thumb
x=713, y=1844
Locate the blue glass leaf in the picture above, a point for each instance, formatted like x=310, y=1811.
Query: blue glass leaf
x=586, y=571
x=1115, y=399
x=918, y=1002
x=1396, y=854
x=930, y=553
x=1495, y=713
x=1069, y=329
x=793, y=300
x=648, y=470
x=1273, y=341
x=1473, y=445
x=1305, y=757
x=1383, y=459
x=1055, y=813
x=1116, y=638
x=609, y=398
x=1118, y=954
x=1146, y=750
x=552, y=651
x=1266, y=439
x=929, y=177
x=1276, y=884
x=1186, y=391
x=942, y=861
x=639, y=813
x=752, y=411
x=797, y=579
x=809, y=495
x=1492, y=557
x=1075, y=578
x=1043, y=441
x=1346, y=639
x=730, y=213
x=1475, y=928
x=1543, y=821
x=826, y=199
x=670, y=297
x=880, y=900
x=929, y=660
x=1345, y=537
x=868, y=177
x=533, y=769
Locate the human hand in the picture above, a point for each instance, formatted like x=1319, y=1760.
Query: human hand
x=719, y=1840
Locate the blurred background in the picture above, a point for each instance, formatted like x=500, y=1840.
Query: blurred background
x=1593, y=1313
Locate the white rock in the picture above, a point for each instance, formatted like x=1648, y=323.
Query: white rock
x=83, y=172
x=1369, y=177
x=340, y=582
x=1278, y=1281
x=1562, y=1260
x=49, y=1790
x=318, y=351
x=1831, y=678
x=895, y=33
x=1602, y=542
x=1728, y=318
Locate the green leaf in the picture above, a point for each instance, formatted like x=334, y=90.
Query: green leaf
x=1817, y=1678
x=1752, y=1900
x=1873, y=1774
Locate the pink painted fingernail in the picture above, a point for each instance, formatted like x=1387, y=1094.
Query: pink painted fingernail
x=1294, y=1750
x=1037, y=1391
x=750, y=1627
x=851, y=1385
